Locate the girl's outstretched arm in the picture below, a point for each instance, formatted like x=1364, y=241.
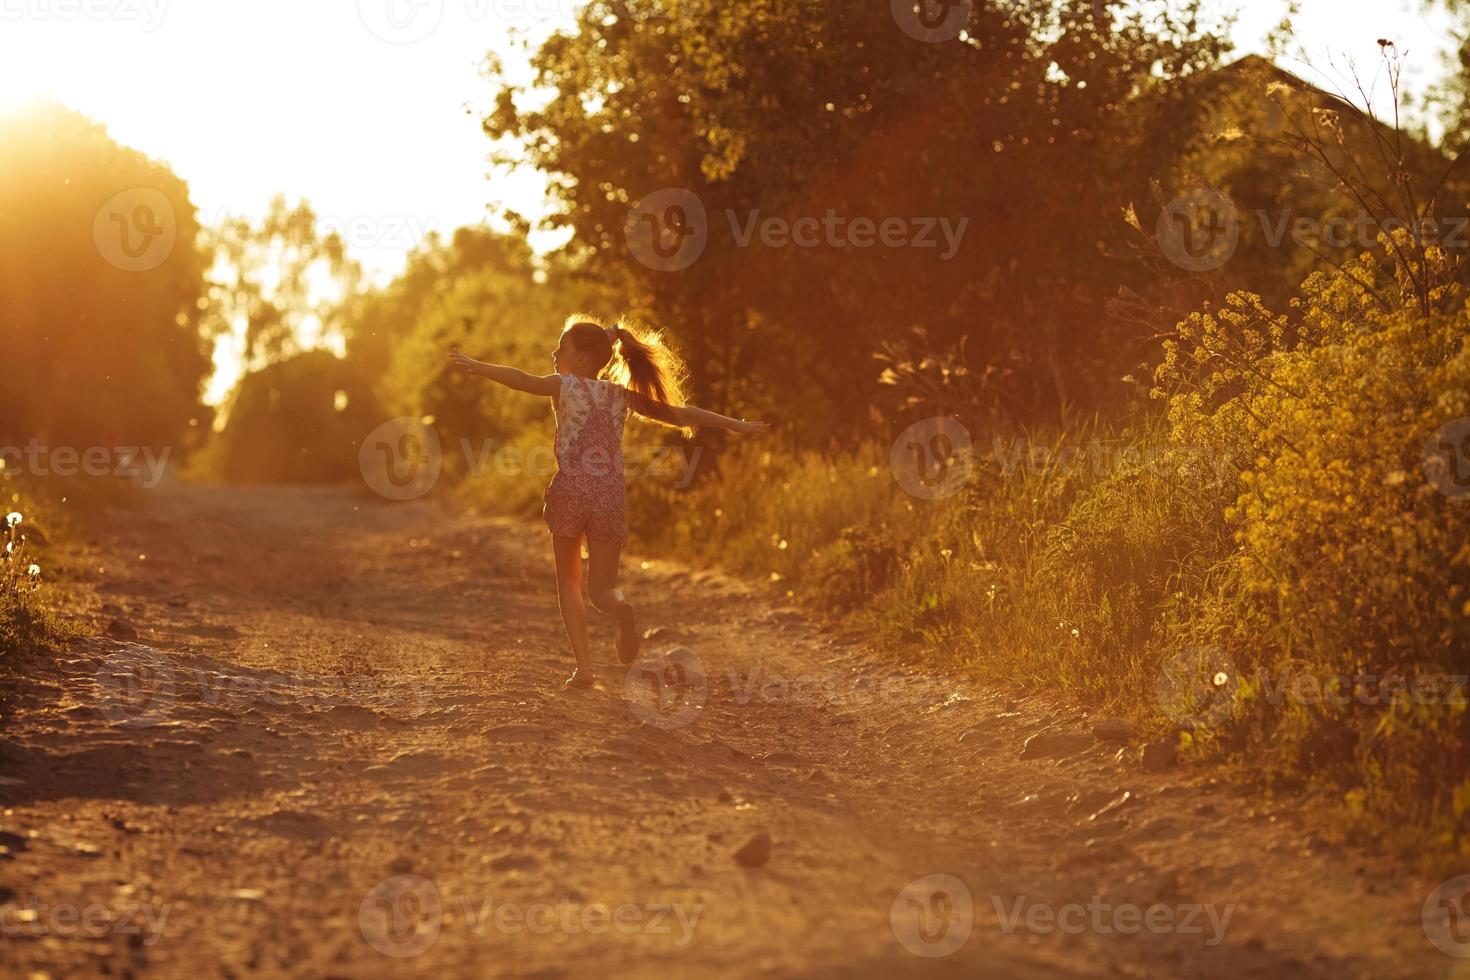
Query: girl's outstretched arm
x=513, y=378
x=687, y=416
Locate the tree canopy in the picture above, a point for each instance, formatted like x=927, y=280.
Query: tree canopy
x=101, y=286
x=1033, y=127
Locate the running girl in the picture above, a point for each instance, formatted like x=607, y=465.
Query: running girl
x=601, y=374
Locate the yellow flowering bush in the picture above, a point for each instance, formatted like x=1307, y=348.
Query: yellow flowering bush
x=1346, y=603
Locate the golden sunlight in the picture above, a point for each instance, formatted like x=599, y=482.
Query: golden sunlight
x=728, y=488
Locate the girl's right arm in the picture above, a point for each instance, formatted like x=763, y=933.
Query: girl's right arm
x=513, y=378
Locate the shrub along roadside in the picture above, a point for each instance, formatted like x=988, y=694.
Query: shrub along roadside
x=1275, y=566
x=28, y=619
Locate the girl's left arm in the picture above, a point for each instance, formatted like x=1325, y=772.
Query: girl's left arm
x=513, y=378
x=688, y=416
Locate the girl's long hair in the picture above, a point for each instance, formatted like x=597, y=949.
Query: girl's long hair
x=634, y=357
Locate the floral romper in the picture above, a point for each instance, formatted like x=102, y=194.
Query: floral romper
x=587, y=495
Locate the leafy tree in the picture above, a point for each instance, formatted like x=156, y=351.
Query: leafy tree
x=1451, y=97
x=278, y=282
x=301, y=416
x=1034, y=125
x=100, y=287
x=483, y=293
x=297, y=420
x=376, y=321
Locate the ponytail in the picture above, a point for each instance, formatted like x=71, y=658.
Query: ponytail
x=634, y=357
x=646, y=366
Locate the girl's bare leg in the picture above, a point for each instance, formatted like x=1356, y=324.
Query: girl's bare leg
x=603, y=558
x=568, y=553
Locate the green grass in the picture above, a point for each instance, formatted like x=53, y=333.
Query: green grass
x=32, y=523
x=1095, y=577
x=1276, y=514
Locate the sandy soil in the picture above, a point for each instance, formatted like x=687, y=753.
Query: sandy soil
x=339, y=747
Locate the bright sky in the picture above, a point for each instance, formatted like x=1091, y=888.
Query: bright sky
x=361, y=105
x=369, y=109
x=247, y=98
x=1334, y=35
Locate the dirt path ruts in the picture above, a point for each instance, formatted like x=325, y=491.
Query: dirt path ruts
x=339, y=747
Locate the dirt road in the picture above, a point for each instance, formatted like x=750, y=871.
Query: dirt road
x=339, y=747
